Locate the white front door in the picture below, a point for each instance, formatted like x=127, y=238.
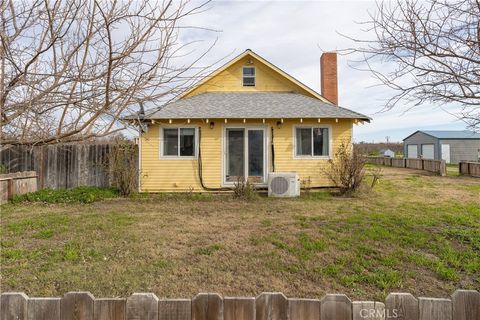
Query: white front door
x=412, y=151
x=428, y=151
x=245, y=154
x=446, y=152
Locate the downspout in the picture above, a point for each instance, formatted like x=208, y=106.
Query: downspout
x=273, y=152
x=141, y=119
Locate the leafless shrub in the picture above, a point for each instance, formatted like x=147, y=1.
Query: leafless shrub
x=306, y=185
x=244, y=190
x=376, y=174
x=346, y=169
x=123, y=168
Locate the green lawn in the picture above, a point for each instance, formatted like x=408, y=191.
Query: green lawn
x=414, y=232
x=452, y=170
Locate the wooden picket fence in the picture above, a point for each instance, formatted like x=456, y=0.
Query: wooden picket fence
x=463, y=305
x=469, y=168
x=63, y=166
x=436, y=166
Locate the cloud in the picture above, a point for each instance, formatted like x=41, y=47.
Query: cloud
x=292, y=35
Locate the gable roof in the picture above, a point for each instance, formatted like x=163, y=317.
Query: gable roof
x=250, y=105
x=449, y=134
x=270, y=65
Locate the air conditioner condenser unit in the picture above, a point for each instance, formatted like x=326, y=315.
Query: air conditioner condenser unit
x=283, y=184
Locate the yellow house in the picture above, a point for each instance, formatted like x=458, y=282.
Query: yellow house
x=245, y=120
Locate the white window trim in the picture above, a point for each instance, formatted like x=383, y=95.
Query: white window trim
x=178, y=157
x=312, y=157
x=254, y=77
x=265, y=150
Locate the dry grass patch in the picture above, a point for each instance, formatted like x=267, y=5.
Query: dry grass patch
x=412, y=229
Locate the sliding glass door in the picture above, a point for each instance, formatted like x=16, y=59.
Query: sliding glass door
x=245, y=154
x=235, y=154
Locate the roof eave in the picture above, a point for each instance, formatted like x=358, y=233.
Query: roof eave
x=364, y=118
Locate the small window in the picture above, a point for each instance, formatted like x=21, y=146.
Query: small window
x=179, y=142
x=249, y=76
x=312, y=142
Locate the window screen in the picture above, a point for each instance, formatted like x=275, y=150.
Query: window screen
x=187, y=142
x=170, y=142
x=320, y=141
x=312, y=142
x=179, y=142
x=304, y=141
x=248, y=76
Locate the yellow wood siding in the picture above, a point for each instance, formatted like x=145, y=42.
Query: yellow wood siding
x=266, y=79
x=159, y=174
x=308, y=168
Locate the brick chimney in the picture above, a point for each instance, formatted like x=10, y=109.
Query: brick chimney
x=328, y=75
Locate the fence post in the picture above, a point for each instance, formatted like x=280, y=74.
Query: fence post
x=335, y=307
x=207, y=306
x=466, y=305
x=43, y=309
x=77, y=305
x=365, y=310
x=401, y=306
x=434, y=309
x=303, y=309
x=238, y=308
x=271, y=306
x=142, y=306
x=13, y=306
x=110, y=309
x=443, y=168
x=9, y=189
x=175, y=309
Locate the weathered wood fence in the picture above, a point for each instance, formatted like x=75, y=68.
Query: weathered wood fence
x=436, y=166
x=17, y=183
x=463, y=305
x=469, y=168
x=62, y=166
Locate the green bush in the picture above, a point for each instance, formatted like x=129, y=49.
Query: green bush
x=3, y=169
x=78, y=194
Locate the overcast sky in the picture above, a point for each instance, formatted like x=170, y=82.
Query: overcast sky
x=292, y=35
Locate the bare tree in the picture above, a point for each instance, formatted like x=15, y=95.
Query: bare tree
x=71, y=68
x=435, y=48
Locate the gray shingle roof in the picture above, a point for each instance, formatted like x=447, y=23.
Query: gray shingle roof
x=449, y=134
x=248, y=105
x=452, y=134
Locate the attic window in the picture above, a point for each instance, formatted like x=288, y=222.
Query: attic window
x=249, y=76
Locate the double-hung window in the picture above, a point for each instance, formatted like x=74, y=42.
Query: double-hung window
x=178, y=142
x=312, y=142
x=249, y=76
